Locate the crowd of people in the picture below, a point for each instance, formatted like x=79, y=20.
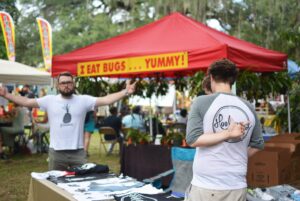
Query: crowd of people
x=223, y=127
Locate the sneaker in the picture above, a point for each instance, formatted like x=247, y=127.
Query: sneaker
x=3, y=156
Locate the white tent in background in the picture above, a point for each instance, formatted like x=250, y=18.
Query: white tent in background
x=17, y=73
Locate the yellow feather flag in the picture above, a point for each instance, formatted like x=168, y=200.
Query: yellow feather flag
x=8, y=29
x=46, y=40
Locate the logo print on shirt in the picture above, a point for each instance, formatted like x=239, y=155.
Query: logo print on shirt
x=137, y=197
x=67, y=117
x=224, y=116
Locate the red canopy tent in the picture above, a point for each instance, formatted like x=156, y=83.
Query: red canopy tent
x=174, y=45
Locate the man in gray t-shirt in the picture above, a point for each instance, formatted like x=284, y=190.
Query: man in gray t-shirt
x=225, y=130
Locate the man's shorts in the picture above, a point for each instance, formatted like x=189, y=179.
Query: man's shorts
x=195, y=193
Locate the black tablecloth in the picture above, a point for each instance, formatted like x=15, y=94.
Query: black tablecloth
x=145, y=161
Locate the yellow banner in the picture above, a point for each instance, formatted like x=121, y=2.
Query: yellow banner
x=46, y=40
x=152, y=63
x=8, y=30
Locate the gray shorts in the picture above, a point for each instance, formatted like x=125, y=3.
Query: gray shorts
x=195, y=193
x=61, y=160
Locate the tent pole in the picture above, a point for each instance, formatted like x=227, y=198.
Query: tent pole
x=150, y=118
x=289, y=112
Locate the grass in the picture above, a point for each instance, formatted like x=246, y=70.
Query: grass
x=15, y=172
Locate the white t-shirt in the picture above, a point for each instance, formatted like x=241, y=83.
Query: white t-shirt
x=66, y=119
x=224, y=165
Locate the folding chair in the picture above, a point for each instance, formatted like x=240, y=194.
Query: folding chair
x=182, y=160
x=39, y=134
x=108, y=135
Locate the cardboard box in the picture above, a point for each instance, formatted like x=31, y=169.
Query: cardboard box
x=285, y=137
x=295, y=168
x=264, y=178
x=269, y=167
x=292, y=146
x=270, y=156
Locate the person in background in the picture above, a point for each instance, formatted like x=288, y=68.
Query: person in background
x=39, y=117
x=225, y=131
x=17, y=127
x=134, y=120
x=125, y=110
x=89, y=127
x=206, y=87
x=116, y=123
x=66, y=113
x=182, y=118
x=25, y=91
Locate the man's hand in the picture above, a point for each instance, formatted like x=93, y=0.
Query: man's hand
x=20, y=100
x=236, y=130
x=3, y=91
x=130, y=88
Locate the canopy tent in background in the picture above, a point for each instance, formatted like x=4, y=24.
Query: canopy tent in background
x=175, y=45
x=293, y=68
x=17, y=73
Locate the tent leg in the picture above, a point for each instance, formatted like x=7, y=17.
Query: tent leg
x=289, y=112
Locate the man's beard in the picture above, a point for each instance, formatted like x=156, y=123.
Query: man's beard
x=68, y=93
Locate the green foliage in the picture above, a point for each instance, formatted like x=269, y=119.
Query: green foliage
x=195, y=83
x=173, y=138
x=97, y=86
x=137, y=137
x=157, y=86
x=181, y=83
x=282, y=112
x=261, y=85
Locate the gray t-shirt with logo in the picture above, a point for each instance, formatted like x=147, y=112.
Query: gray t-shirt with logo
x=222, y=166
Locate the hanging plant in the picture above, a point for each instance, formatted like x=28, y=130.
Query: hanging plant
x=261, y=85
x=181, y=83
x=91, y=86
x=247, y=84
x=195, y=83
x=281, y=118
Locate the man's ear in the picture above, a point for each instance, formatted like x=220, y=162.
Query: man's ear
x=212, y=83
x=56, y=84
x=211, y=79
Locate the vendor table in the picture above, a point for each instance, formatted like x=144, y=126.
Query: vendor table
x=47, y=191
x=145, y=161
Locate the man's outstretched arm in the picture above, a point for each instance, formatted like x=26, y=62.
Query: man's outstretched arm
x=111, y=98
x=20, y=100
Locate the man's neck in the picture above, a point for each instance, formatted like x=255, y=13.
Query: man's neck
x=222, y=87
x=66, y=97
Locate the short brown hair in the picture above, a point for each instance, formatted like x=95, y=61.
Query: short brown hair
x=223, y=71
x=206, y=83
x=65, y=73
